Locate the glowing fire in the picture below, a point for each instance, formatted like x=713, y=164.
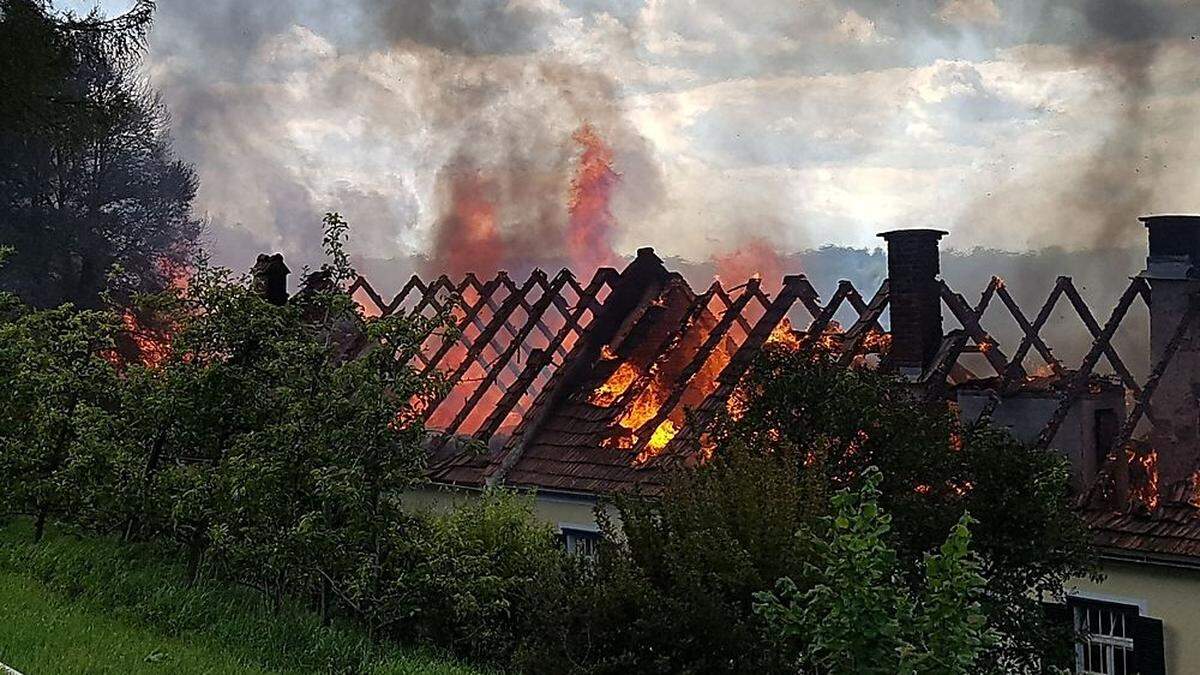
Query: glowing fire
x=468, y=238
x=643, y=408
x=876, y=341
x=1144, y=488
x=615, y=386
x=754, y=259
x=590, y=222
x=783, y=336
x=149, y=336
x=1043, y=371
x=659, y=439
x=153, y=345
x=737, y=404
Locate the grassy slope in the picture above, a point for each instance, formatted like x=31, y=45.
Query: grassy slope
x=91, y=605
x=42, y=633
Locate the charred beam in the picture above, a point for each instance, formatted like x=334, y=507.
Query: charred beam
x=1080, y=381
x=504, y=358
x=966, y=316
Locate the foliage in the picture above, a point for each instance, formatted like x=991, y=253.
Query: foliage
x=258, y=444
x=88, y=183
x=467, y=579
x=272, y=444
x=674, y=589
x=860, y=616
x=55, y=382
x=838, y=422
x=109, y=605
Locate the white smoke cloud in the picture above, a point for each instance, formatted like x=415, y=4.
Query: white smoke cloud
x=803, y=123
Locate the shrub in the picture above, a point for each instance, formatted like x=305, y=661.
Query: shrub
x=467, y=579
x=674, y=589
x=861, y=617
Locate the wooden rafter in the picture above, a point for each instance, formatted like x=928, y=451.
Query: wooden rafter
x=1080, y=380
x=739, y=363
x=970, y=323
x=485, y=338
x=1110, y=353
x=1141, y=406
x=694, y=366
x=536, y=364
x=534, y=314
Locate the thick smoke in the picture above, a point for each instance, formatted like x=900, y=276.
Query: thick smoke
x=446, y=130
x=1116, y=186
x=437, y=127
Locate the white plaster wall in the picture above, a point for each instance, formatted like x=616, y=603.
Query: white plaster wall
x=1169, y=594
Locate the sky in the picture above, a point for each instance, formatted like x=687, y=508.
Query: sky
x=1014, y=124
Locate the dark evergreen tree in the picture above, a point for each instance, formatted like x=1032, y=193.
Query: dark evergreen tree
x=91, y=195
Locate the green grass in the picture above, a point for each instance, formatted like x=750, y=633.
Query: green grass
x=91, y=605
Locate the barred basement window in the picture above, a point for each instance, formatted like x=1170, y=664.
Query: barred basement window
x=1114, y=639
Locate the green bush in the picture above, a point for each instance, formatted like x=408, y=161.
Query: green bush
x=265, y=455
x=674, y=590
x=860, y=616
x=468, y=577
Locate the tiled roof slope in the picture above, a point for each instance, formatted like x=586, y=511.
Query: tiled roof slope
x=1170, y=533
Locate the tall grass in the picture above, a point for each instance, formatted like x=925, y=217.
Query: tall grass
x=142, y=584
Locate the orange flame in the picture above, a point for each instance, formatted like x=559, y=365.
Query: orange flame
x=783, y=336
x=153, y=344
x=615, y=386
x=876, y=341
x=590, y=223
x=1144, y=487
x=754, y=259
x=468, y=238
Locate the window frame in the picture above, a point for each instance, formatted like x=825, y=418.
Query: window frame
x=1108, y=642
x=579, y=539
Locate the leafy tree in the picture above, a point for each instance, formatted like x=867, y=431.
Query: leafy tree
x=260, y=445
x=88, y=182
x=838, y=422
x=860, y=616
x=673, y=589
x=272, y=444
x=54, y=382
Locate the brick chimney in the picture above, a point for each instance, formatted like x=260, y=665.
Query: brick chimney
x=914, y=302
x=1173, y=271
x=269, y=276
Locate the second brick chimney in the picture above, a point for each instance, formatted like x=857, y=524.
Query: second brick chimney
x=1173, y=271
x=914, y=300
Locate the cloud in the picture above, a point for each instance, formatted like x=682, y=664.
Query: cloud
x=809, y=122
x=969, y=12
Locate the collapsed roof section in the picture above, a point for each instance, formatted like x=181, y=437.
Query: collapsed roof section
x=584, y=389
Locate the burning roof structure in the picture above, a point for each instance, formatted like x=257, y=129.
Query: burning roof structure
x=592, y=388
x=583, y=389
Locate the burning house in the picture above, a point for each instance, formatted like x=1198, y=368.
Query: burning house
x=577, y=391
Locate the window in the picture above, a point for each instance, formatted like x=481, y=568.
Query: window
x=1105, y=645
x=1113, y=638
x=580, y=541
